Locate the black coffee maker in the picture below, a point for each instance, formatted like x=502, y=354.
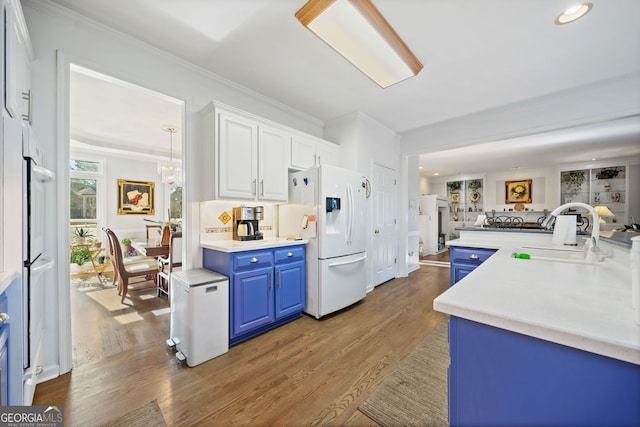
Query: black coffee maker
x=246, y=223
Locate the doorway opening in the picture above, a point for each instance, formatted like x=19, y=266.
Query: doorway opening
x=117, y=146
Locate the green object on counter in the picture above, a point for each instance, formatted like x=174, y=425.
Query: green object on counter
x=521, y=256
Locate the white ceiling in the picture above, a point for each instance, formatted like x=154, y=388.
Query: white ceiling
x=477, y=55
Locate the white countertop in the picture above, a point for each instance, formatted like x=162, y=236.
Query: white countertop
x=238, y=246
x=6, y=278
x=578, y=305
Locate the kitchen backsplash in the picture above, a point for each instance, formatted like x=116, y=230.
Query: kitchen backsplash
x=216, y=219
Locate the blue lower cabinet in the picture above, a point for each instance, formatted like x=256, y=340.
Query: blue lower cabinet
x=267, y=287
x=464, y=260
x=4, y=366
x=252, y=300
x=498, y=377
x=290, y=296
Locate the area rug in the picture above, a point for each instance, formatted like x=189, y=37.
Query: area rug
x=415, y=394
x=107, y=298
x=145, y=416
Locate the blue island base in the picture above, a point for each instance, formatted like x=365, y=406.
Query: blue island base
x=502, y=378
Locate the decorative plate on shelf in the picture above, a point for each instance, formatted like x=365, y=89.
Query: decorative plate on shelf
x=474, y=197
x=519, y=207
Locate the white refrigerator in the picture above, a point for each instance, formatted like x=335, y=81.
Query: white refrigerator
x=327, y=207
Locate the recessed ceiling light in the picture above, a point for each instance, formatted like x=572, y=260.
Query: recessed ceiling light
x=436, y=174
x=419, y=167
x=573, y=13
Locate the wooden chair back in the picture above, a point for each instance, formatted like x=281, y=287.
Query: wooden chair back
x=124, y=273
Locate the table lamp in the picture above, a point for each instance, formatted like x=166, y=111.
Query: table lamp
x=602, y=211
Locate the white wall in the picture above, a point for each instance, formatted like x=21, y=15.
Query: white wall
x=364, y=142
x=132, y=169
x=59, y=37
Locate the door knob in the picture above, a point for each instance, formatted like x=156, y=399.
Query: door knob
x=376, y=231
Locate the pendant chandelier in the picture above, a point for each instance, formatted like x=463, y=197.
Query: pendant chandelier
x=171, y=171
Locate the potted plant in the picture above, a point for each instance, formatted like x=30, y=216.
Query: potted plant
x=574, y=180
x=82, y=235
x=79, y=255
x=475, y=184
x=127, y=245
x=607, y=173
x=454, y=186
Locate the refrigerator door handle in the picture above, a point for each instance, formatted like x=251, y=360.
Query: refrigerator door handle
x=42, y=265
x=42, y=174
x=350, y=213
x=337, y=264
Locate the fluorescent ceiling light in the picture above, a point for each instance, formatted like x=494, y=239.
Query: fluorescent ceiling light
x=357, y=31
x=573, y=13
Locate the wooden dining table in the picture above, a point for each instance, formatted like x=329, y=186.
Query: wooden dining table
x=150, y=248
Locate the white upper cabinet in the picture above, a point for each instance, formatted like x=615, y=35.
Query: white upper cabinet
x=253, y=159
x=252, y=155
x=327, y=153
x=18, y=55
x=237, y=157
x=308, y=151
x=273, y=159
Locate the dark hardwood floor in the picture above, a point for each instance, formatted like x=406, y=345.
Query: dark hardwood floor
x=307, y=372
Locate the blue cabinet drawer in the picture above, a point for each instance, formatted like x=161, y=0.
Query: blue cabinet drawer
x=289, y=254
x=253, y=259
x=470, y=255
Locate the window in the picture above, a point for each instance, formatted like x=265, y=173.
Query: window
x=85, y=195
x=175, y=202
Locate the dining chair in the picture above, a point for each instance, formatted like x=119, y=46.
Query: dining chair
x=168, y=263
x=153, y=228
x=145, y=267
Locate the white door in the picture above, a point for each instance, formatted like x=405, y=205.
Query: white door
x=383, y=189
x=238, y=157
x=273, y=161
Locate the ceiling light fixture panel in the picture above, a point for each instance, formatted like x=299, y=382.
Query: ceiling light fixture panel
x=359, y=32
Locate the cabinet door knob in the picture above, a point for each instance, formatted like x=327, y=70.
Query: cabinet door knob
x=254, y=260
x=290, y=254
x=376, y=231
x=474, y=257
x=3, y=318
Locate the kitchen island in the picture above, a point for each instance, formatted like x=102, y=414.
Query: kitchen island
x=541, y=342
x=267, y=282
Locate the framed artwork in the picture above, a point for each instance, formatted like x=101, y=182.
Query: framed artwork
x=135, y=197
x=518, y=191
x=454, y=197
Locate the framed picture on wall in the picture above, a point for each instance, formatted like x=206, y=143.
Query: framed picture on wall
x=518, y=191
x=135, y=197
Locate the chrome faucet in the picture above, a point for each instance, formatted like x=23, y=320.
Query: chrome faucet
x=592, y=254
